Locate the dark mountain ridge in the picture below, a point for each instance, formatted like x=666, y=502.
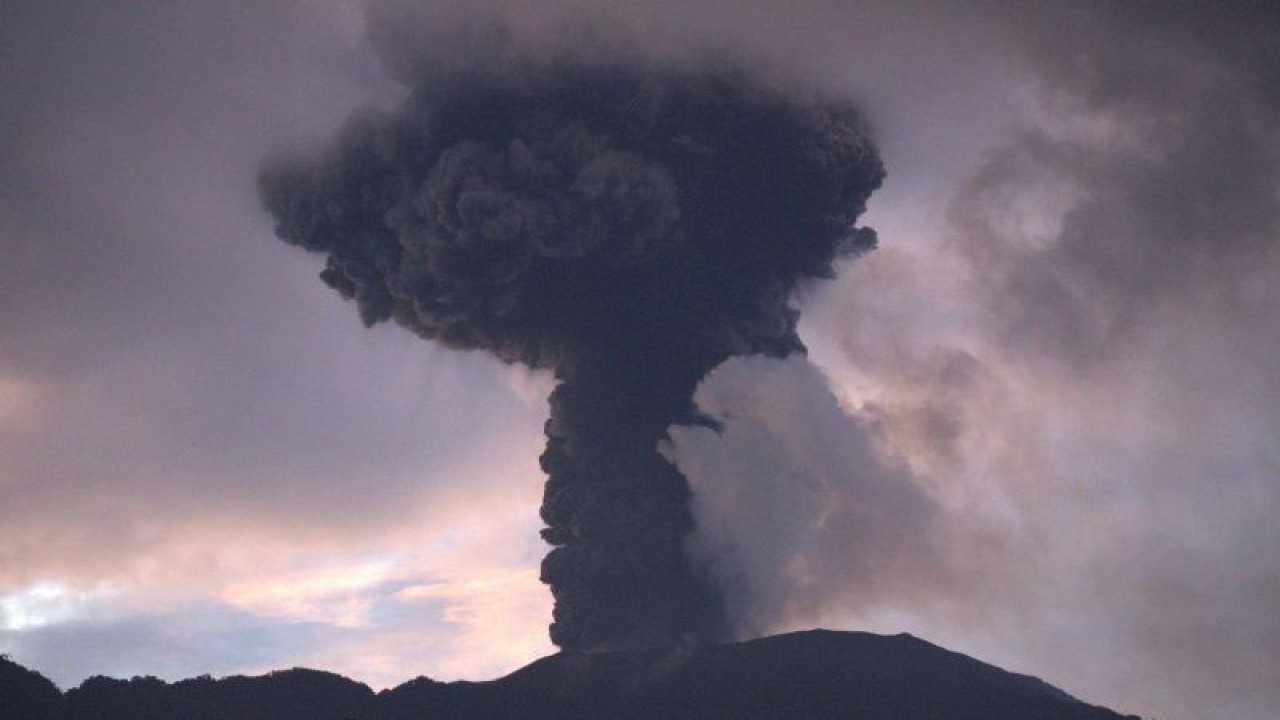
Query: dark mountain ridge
x=815, y=675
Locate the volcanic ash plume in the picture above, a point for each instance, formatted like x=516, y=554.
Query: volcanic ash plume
x=628, y=229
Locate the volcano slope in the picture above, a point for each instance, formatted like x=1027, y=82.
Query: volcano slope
x=815, y=675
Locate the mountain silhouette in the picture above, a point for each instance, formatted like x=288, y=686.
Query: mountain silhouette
x=814, y=675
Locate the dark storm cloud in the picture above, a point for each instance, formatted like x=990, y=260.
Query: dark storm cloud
x=623, y=225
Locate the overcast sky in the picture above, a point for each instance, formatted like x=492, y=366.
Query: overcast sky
x=1038, y=425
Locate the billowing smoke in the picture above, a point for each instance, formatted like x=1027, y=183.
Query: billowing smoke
x=798, y=512
x=628, y=228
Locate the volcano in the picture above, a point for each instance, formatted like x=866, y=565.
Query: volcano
x=815, y=675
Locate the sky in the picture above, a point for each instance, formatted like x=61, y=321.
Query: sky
x=1037, y=425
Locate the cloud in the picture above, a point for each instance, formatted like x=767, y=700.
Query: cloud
x=1088, y=359
x=463, y=602
x=154, y=391
x=175, y=489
